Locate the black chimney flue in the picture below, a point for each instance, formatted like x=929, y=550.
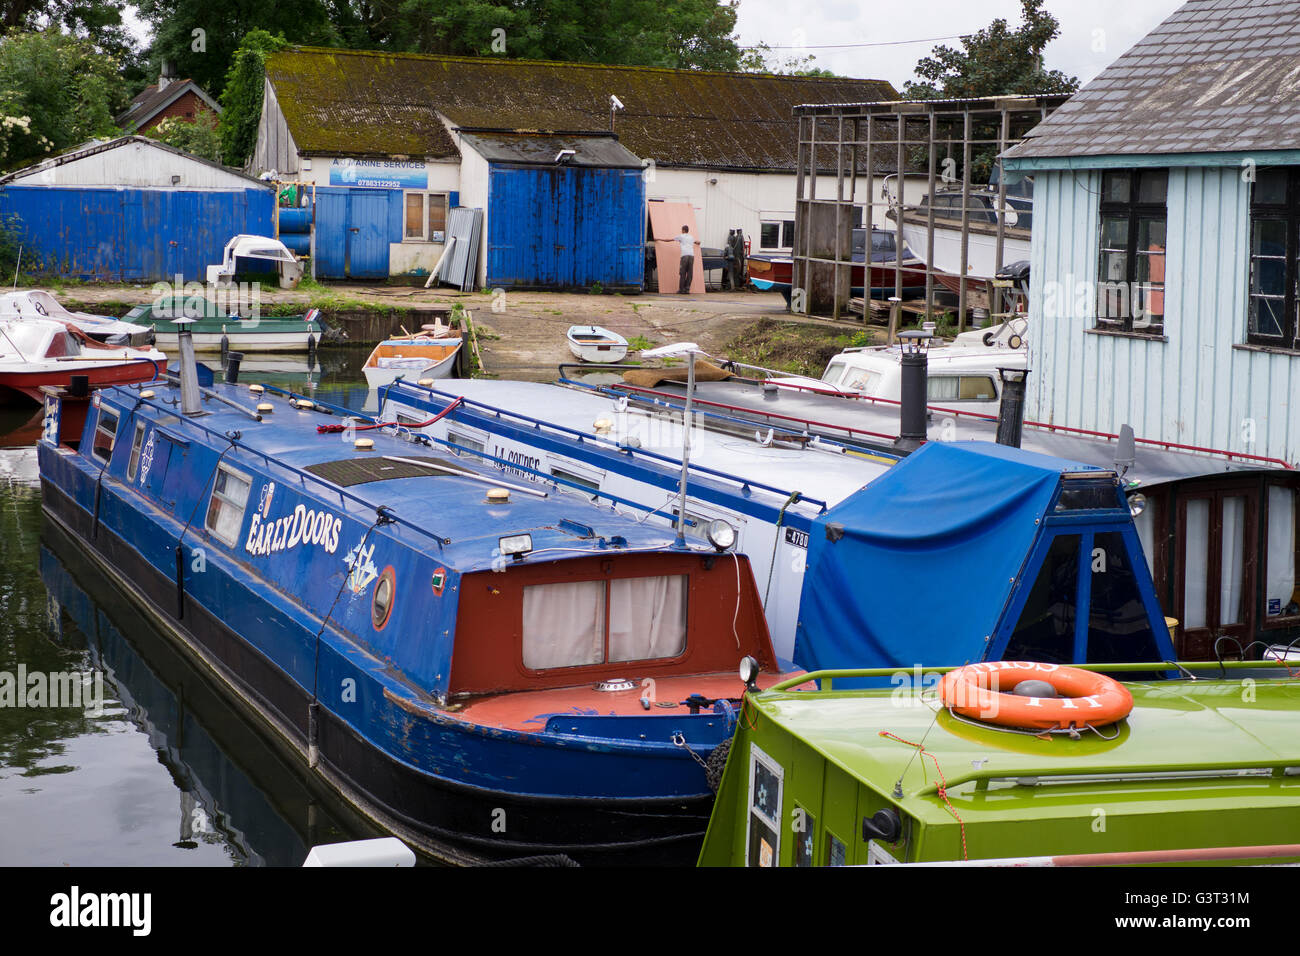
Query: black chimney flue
x=912, y=411
x=1011, y=409
x=232, y=367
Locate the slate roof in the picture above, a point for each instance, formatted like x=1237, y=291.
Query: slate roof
x=362, y=103
x=1217, y=76
x=151, y=101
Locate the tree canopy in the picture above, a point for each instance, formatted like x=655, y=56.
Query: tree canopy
x=680, y=34
x=241, y=100
x=996, y=61
x=56, y=92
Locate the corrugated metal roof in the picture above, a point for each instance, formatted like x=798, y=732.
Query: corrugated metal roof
x=603, y=151
x=1217, y=76
x=359, y=103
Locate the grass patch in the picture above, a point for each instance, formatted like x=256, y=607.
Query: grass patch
x=798, y=348
x=639, y=343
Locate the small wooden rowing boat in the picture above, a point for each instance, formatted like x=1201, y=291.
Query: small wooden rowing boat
x=429, y=354
x=591, y=343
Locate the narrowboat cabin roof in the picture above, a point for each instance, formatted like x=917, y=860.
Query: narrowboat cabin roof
x=422, y=498
x=873, y=423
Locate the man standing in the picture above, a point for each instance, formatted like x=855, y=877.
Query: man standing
x=689, y=243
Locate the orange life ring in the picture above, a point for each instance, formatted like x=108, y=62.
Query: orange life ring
x=981, y=691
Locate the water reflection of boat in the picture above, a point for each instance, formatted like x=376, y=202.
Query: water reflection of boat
x=235, y=790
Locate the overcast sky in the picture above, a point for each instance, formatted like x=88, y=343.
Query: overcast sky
x=1093, y=32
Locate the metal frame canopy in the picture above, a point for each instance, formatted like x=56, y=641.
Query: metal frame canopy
x=832, y=140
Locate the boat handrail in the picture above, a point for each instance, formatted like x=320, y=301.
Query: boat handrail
x=826, y=677
x=980, y=416
x=233, y=438
x=785, y=434
x=740, y=408
x=745, y=483
x=518, y=466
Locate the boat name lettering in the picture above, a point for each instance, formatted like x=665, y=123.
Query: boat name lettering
x=303, y=526
x=517, y=458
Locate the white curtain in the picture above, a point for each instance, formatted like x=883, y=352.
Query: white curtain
x=564, y=624
x=1234, y=550
x=1146, y=529
x=647, y=618
x=1196, y=547
x=1280, y=568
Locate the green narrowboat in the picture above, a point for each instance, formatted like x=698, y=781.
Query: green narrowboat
x=1200, y=770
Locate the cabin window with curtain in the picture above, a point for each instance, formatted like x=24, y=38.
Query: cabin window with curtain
x=226, y=506
x=1131, y=267
x=578, y=623
x=105, y=434
x=1274, y=219
x=425, y=217
x=1281, y=581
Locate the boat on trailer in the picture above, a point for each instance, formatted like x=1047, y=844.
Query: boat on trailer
x=591, y=343
x=484, y=668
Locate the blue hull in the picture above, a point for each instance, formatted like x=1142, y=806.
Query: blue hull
x=594, y=789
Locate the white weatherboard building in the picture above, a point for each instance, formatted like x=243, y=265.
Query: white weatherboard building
x=1165, y=268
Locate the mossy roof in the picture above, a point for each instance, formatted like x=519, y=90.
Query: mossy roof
x=363, y=103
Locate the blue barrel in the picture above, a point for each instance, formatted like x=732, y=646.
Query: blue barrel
x=299, y=243
x=294, y=219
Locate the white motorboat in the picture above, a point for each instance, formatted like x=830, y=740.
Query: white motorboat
x=41, y=305
x=982, y=227
x=591, y=343
x=38, y=352
x=260, y=248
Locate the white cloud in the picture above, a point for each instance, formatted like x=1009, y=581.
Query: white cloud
x=1111, y=25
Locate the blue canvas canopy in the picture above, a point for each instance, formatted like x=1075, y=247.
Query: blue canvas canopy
x=952, y=557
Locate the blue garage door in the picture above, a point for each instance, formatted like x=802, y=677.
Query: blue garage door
x=565, y=227
x=353, y=230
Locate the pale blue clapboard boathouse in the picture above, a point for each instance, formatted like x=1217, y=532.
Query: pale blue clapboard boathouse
x=1165, y=268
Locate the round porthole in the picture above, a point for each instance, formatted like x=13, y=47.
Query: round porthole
x=381, y=604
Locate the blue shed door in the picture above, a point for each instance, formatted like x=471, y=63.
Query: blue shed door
x=565, y=227
x=353, y=230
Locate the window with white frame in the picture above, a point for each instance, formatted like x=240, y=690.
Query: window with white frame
x=776, y=234
x=226, y=506
x=426, y=217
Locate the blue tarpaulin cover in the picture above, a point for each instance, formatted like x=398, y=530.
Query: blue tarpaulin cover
x=926, y=559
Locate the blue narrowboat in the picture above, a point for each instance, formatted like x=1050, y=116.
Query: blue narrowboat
x=490, y=670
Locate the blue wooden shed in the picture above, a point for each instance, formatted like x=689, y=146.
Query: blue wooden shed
x=130, y=210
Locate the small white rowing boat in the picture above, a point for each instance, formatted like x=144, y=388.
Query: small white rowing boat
x=412, y=357
x=591, y=343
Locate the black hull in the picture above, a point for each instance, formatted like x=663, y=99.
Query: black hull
x=445, y=820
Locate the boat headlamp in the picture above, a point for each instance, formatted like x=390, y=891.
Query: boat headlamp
x=749, y=673
x=720, y=534
x=516, y=545
x=1137, y=503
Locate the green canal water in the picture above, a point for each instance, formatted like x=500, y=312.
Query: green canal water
x=149, y=765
